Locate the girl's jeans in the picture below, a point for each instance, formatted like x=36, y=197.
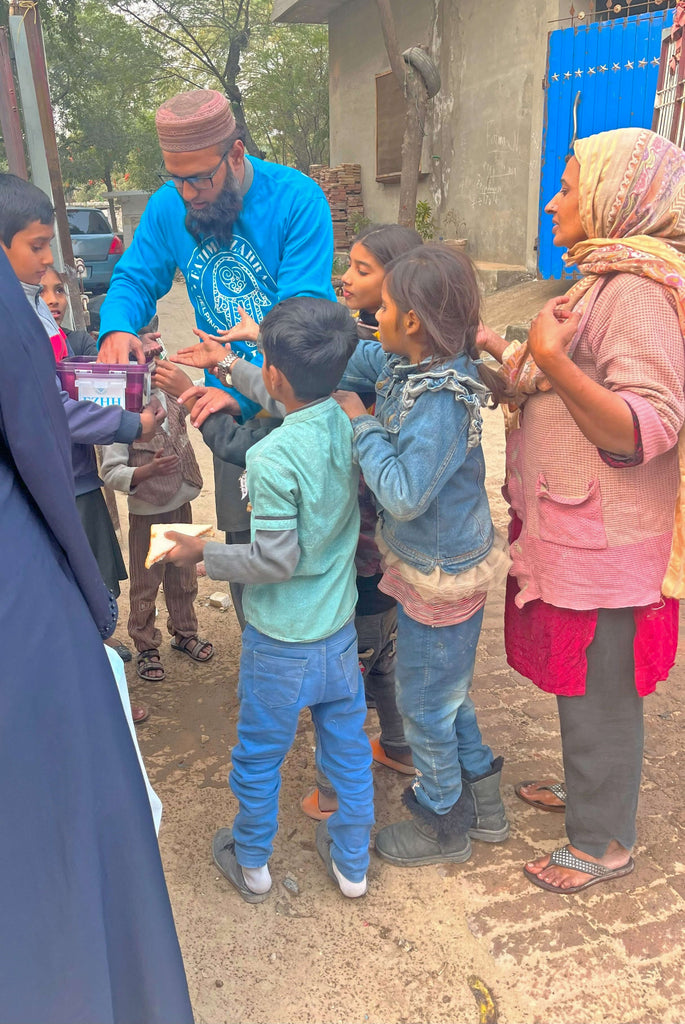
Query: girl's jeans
x=434, y=673
x=278, y=680
x=377, y=642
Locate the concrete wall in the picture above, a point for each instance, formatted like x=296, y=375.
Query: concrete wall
x=357, y=55
x=487, y=124
x=484, y=138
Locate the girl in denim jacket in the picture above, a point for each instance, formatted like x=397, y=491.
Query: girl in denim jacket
x=422, y=458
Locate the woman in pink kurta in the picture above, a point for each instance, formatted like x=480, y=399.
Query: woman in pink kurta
x=592, y=479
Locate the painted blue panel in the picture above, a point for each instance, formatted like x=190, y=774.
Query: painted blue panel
x=615, y=66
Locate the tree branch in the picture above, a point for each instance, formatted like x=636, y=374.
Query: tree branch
x=200, y=54
x=416, y=97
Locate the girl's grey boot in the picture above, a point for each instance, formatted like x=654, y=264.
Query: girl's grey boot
x=491, y=825
x=428, y=838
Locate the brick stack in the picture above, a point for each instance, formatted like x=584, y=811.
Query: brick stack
x=342, y=187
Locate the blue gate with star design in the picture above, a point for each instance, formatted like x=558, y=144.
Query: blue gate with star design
x=599, y=76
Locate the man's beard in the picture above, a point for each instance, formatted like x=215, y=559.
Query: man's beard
x=218, y=217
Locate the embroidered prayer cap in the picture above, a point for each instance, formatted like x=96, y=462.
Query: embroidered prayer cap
x=194, y=120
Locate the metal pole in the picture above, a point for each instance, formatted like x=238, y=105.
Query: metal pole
x=34, y=136
x=9, y=112
x=27, y=37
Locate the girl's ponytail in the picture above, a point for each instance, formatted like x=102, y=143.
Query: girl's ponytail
x=490, y=377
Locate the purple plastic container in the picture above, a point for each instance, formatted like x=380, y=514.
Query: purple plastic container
x=126, y=384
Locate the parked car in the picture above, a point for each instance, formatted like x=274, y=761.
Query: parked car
x=94, y=242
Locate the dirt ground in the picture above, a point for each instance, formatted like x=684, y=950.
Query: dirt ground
x=437, y=945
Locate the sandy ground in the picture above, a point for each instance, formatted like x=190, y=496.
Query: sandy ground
x=430, y=945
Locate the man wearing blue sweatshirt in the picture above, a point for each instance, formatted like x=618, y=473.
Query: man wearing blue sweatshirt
x=245, y=234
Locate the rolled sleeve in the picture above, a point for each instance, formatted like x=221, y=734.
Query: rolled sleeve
x=128, y=428
x=639, y=354
x=273, y=494
x=658, y=434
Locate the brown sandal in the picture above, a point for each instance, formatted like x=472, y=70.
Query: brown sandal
x=148, y=662
x=192, y=645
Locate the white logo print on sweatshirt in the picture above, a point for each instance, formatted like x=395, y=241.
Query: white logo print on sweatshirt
x=225, y=280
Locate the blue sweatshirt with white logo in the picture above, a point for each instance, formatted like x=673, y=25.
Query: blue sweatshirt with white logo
x=282, y=245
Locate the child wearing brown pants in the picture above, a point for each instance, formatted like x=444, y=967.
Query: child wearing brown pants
x=161, y=478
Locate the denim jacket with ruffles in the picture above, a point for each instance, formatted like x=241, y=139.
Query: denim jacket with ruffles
x=421, y=456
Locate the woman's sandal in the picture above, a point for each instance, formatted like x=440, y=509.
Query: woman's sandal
x=556, y=788
x=148, y=662
x=563, y=858
x=192, y=645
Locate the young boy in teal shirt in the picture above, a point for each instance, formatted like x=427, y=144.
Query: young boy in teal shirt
x=299, y=644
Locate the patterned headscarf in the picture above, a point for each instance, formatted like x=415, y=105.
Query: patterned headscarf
x=632, y=209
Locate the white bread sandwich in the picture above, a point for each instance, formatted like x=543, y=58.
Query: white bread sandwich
x=161, y=546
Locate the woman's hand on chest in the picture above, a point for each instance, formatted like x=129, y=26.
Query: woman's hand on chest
x=551, y=333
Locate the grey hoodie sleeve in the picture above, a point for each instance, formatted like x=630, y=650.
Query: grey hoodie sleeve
x=230, y=441
x=115, y=470
x=248, y=380
x=271, y=558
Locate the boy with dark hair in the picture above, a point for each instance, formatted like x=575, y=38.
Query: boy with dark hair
x=299, y=645
x=24, y=206
x=26, y=231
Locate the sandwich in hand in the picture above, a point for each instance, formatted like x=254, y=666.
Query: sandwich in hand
x=160, y=546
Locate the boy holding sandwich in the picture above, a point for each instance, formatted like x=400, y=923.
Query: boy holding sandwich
x=299, y=645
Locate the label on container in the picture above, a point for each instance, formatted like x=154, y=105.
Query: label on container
x=101, y=390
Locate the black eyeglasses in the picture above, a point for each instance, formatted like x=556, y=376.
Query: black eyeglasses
x=199, y=182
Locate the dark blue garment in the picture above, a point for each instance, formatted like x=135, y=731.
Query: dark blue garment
x=86, y=930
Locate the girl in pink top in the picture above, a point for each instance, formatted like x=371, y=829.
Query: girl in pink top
x=593, y=479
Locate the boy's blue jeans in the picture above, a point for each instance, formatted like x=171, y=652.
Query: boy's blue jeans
x=434, y=673
x=278, y=680
x=377, y=643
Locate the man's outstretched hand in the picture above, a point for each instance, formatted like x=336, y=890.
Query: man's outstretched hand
x=204, y=356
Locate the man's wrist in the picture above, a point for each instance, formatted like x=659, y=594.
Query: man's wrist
x=223, y=369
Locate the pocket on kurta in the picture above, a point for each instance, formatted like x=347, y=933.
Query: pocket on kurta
x=277, y=679
x=574, y=521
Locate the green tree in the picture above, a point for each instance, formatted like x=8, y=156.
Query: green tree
x=103, y=86
x=276, y=77
x=284, y=82
x=202, y=42
x=111, y=62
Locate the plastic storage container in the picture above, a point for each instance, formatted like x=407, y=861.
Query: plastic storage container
x=126, y=384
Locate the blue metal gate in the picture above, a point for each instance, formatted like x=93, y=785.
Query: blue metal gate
x=609, y=70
